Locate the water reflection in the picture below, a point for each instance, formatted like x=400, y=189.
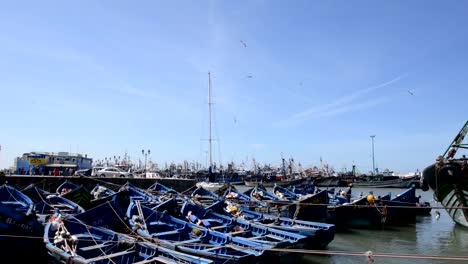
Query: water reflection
x=428, y=236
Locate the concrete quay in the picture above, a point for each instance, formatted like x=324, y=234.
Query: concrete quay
x=50, y=183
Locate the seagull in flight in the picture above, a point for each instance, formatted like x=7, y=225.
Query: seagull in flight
x=410, y=92
x=243, y=43
x=249, y=76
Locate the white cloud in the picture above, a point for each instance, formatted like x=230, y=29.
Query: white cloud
x=344, y=104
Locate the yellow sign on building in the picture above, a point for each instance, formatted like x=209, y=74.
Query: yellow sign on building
x=37, y=161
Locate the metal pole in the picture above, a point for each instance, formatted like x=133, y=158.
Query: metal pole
x=373, y=160
x=209, y=113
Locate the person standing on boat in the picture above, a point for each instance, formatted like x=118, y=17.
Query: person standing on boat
x=348, y=192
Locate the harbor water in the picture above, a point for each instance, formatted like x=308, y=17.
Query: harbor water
x=429, y=236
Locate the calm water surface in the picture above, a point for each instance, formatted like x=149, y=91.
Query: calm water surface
x=428, y=236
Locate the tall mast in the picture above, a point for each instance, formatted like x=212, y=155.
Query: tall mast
x=209, y=112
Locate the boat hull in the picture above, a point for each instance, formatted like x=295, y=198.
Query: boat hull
x=399, y=183
x=272, y=183
x=450, y=186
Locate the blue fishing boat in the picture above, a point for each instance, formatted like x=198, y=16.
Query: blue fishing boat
x=75, y=193
x=204, y=196
x=110, y=214
x=233, y=194
x=318, y=234
x=371, y=212
x=310, y=207
x=409, y=197
x=285, y=193
x=180, y=235
x=304, y=190
x=101, y=193
x=20, y=228
x=45, y=203
x=142, y=195
x=235, y=226
x=158, y=188
x=260, y=193
x=68, y=240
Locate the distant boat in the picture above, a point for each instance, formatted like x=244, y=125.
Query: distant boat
x=448, y=178
x=285, y=183
x=381, y=182
x=330, y=181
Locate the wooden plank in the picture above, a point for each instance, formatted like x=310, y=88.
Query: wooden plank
x=172, y=232
x=162, y=260
x=237, y=232
x=194, y=241
x=121, y=253
x=151, y=260
x=94, y=246
x=214, y=248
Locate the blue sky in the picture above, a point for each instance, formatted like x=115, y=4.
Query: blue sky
x=105, y=77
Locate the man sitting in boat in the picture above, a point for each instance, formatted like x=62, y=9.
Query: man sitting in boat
x=348, y=192
x=279, y=194
x=231, y=195
x=233, y=210
x=195, y=220
x=258, y=195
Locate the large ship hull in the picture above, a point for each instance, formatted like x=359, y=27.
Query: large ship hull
x=450, y=186
x=448, y=178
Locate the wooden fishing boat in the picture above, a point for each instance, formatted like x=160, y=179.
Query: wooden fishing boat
x=183, y=236
x=310, y=207
x=235, y=226
x=142, y=195
x=319, y=235
x=204, y=196
x=101, y=193
x=158, y=188
x=45, y=203
x=285, y=193
x=70, y=241
x=75, y=193
x=308, y=188
x=20, y=227
x=110, y=214
x=448, y=178
x=371, y=212
x=409, y=197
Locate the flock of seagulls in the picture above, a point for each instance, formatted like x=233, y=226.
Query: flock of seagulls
x=244, y=44
x=300, y=83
